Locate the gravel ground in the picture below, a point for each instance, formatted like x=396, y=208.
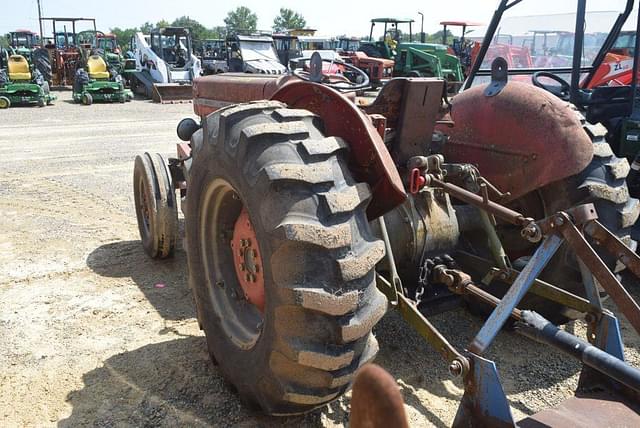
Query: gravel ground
x=86, y=337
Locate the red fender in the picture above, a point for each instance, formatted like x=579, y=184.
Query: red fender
x=369, y=160
x=520, y=140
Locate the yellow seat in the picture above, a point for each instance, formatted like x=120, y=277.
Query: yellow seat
x=19, y=68
x=97, y=68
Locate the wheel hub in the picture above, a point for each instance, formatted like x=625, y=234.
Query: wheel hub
x=247, y=260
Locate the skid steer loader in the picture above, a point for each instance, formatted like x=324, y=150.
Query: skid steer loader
x=307, y=216
x=165, y=65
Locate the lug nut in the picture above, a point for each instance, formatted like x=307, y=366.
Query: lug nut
x=242, y=267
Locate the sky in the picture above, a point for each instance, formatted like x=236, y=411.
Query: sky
x=329, y=17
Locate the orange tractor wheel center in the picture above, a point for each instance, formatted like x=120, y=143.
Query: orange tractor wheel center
x=247, y=260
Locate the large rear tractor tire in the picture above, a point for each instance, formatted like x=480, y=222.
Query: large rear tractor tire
x=281, y=258
x=603, y=183
x=43, y=63
x=156, y=207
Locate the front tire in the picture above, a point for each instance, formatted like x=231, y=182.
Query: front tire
x=87, y=99
x=270, y=169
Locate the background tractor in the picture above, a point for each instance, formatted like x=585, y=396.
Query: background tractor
x=21, y=83
x=29, y=45
x=64, y=51
x=411, y=58
x=105, y=45
x=460, y=46
x=379, y=70
x=23, y=42
x=165, y=64
x=213, y=56
x=308, y=215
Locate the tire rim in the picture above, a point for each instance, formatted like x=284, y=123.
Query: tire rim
x=248, y=261
x=144, y=206
x=227, y=239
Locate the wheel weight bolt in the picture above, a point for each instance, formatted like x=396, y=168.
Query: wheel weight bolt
x=455, y=368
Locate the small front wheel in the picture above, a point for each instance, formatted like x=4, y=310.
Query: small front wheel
x=156, y=207
x=5, y=102
x=87, y=99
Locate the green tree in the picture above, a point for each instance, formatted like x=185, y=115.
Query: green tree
x=288, y=20
x=147, y=27
x=198, y=31
x=437, y=37
x=163, y=23
x=124, y=36
x=219, y=32
x=241, y=18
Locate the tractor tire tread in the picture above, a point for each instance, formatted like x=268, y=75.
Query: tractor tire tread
x=325, y=304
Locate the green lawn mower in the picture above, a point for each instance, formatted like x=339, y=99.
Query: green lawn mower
x=21, y=84
x=98, y=83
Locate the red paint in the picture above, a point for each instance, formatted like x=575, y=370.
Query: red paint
x=520, y=140
x=615, y=70
x=248, y=261
x=370, y=161
x=417, y=181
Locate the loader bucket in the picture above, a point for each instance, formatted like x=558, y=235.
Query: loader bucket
x=169, y=93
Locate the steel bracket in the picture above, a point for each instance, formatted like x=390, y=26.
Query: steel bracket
x=484, y=403
x=499, y=77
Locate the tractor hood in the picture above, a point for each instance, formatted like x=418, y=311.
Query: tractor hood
x=264, y=66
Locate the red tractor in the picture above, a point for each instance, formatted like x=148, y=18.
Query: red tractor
x=65, y=53
x=307, y=216
x=379, y=70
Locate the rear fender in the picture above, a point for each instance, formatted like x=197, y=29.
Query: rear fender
x=520, y=140
x=369, y=160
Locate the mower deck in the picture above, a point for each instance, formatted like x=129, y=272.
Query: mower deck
x=104, y=91
x=26, y=93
